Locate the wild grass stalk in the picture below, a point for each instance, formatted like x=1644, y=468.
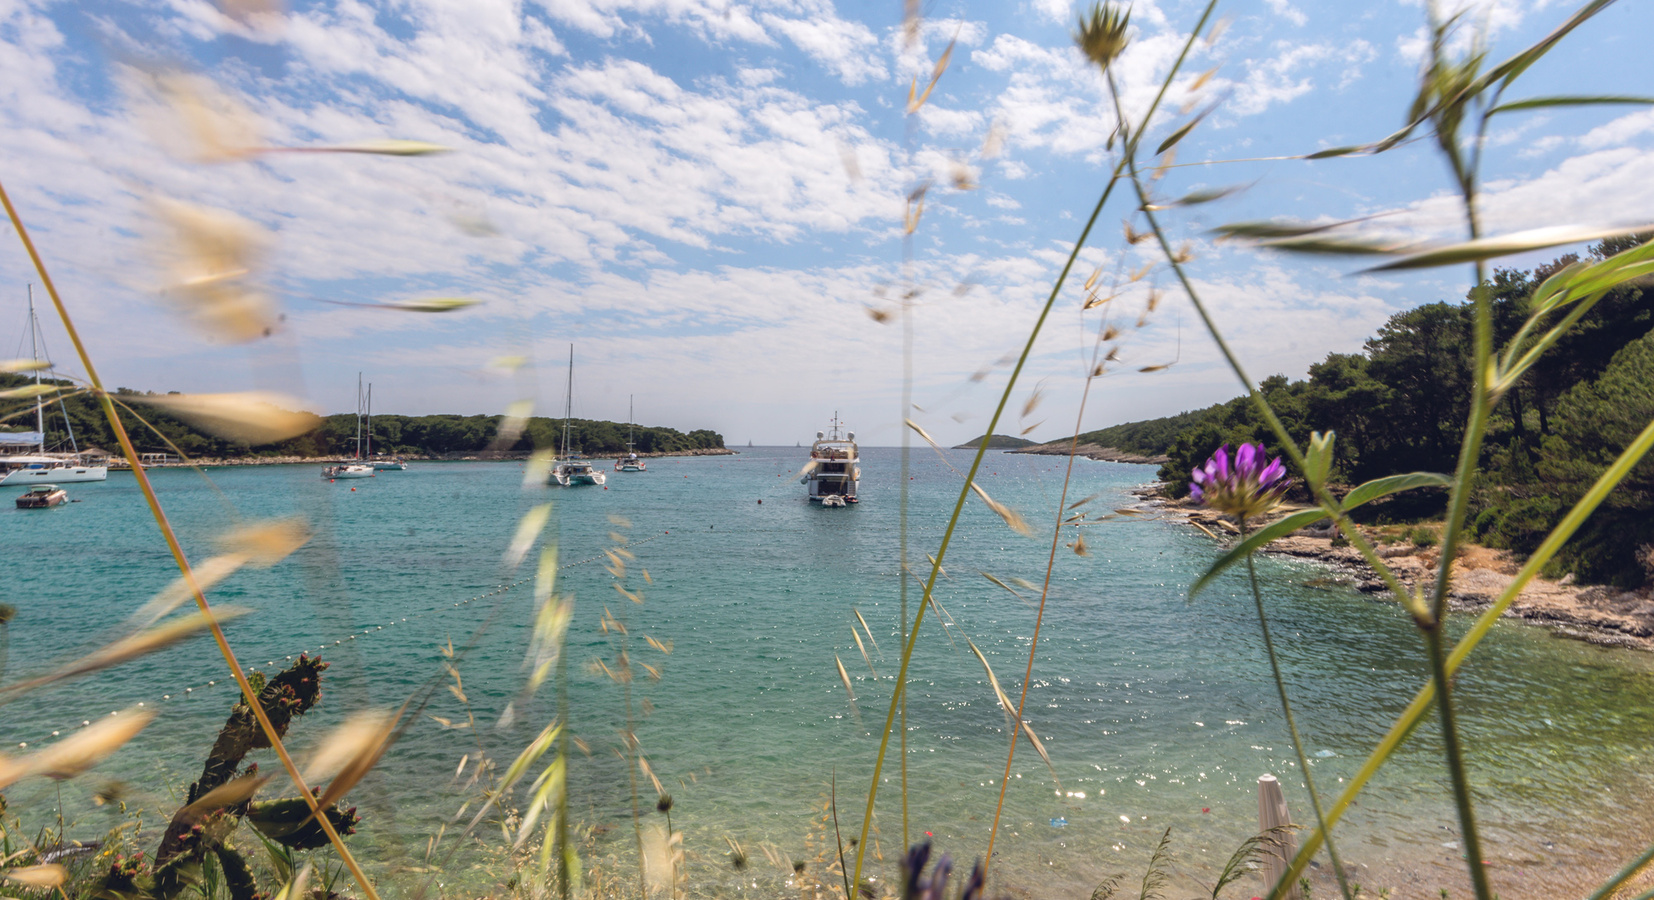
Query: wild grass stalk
x=177, y=550
x=1449, y=90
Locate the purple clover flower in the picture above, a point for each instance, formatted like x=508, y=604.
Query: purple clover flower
x=1250, y=487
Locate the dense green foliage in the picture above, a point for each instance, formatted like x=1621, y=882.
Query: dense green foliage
x=1147, y=438
x=1401, y=404
x=438, y=435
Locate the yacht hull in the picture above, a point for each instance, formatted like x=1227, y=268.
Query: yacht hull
x=58, y=475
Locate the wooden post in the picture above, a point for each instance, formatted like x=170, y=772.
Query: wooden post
x=1283, y=844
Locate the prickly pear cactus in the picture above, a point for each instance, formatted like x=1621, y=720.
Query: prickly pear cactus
x=195, y=832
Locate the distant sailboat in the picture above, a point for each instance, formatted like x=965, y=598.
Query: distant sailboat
x=631, y=463
x=40, y=468
x=356, y=469
x=572, y=469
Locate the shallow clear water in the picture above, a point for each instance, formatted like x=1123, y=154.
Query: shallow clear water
x=1154, y=709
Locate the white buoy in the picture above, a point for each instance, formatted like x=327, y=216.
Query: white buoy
x=1283, y=846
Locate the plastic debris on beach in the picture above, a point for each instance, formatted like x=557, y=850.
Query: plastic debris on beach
x=1058, y=822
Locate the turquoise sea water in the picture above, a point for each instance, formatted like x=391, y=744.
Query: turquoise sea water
x=1157, y=712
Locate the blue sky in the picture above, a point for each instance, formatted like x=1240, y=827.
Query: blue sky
x=706, y=197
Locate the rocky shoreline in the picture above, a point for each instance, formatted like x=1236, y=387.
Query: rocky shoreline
x=1597, y=614
x=1091, y=451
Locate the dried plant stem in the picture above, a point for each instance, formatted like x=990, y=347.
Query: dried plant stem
x=1130, y=163
x=247, y=692
x=1292, y=724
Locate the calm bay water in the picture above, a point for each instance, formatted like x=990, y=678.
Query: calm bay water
x=1157, y=712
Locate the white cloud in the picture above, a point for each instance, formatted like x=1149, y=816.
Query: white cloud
x=846, y=48
x=1287, y=11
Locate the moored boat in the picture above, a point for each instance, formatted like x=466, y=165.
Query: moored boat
x=347, y=470
x=577, y=470
x=834, y=471
x=630, y=463
x=41, y=467
x=360, y=467
x=571, y=468
x=42, y=496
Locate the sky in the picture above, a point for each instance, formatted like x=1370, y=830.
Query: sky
x=708, y=200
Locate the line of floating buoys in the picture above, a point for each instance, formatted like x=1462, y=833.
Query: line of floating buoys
x=271, y=664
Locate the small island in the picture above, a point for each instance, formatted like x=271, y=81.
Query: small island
x=997, y=442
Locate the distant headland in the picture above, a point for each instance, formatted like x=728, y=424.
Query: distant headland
x=996, y=442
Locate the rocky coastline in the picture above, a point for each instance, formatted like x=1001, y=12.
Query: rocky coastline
x=1090, y=451
x=1597, y=614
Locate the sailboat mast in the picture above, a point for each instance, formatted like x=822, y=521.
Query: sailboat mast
x=631, y=423
x=34, y=354
x=568, y=404
x=370, y=420
x=358, y=415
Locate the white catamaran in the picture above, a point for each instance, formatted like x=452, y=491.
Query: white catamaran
x=571, y=468
x=40, y=467
x=834, y=470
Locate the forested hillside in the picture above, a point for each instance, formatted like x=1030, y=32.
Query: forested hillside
x=1400, y=405
x=437, y=435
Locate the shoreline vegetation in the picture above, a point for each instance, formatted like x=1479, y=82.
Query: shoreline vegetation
x=334, y=437
x=119, y=465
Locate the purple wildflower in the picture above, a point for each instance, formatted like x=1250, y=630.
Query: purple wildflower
x=1251, y=487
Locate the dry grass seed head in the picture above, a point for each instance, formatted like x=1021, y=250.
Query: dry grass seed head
x=82, y=750
x=209, y=260
x=1010, y=516
x=257, y=417
x=353, y=739
x=1102, y=37
x=203, y=575
x=1033, y=402
x=512, y=425
x=129, y=648
x=43, y=877
x=231, y=793
x=268, y=542
x=528, y=530
x=994, y=143
x=196, y=120
x=297, y=888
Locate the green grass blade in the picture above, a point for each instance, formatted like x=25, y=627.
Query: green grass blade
x=1393, y=484
x=1426, y=696
x=1280, y=528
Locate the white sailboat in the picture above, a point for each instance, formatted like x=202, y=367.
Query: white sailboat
x=631, y=463
x=571, y=468
x=41, y=467
x=356, y=469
